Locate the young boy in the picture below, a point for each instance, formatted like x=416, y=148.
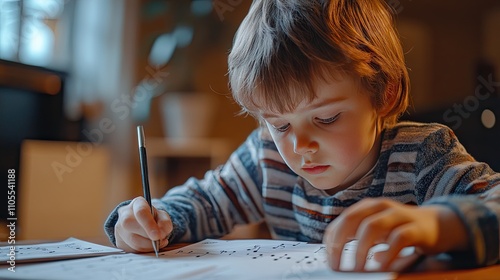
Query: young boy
x=330, y=162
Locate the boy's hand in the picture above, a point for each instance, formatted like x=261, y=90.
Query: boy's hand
x=136, y=227
x=431, y=229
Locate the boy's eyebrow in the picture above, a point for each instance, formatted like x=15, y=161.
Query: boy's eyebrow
x=324, y=102
x=311, y=106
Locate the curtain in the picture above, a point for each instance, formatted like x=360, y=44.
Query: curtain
x=98, y=63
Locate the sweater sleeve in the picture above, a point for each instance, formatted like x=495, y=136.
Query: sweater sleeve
x=481, y=216
x=210, y=207
x=449, y=176
x=444, y=167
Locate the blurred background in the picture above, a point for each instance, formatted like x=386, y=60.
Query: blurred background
x=78, y=76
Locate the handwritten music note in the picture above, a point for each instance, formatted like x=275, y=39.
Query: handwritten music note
x=208, y=259
x=69, y=248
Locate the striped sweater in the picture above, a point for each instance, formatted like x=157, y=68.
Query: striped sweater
x=418, y=164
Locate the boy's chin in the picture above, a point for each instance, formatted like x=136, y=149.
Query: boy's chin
x=317, y=184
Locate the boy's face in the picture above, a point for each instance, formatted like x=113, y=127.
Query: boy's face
x=333, y=140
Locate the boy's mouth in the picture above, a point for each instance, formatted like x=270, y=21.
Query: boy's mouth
x=315, y=169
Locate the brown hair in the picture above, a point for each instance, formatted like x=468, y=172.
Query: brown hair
x=282, y=46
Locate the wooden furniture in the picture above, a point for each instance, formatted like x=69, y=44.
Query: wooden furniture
x=63, y=190
x=172, y=160
x=31, y=107
x=486, y=273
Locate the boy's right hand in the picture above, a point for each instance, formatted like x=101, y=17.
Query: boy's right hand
x=136, y=227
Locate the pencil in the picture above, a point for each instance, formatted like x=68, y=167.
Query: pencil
x=145, y=178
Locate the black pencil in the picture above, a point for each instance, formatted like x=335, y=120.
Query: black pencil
x=145, y=178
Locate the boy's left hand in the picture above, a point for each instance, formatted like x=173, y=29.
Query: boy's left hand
x=431, y=229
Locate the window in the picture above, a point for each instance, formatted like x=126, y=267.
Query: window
x=31, y=31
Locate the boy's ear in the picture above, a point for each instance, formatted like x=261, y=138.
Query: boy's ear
x=390, y=98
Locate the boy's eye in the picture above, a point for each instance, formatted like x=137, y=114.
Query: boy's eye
x=282, y=128
x=329, y=120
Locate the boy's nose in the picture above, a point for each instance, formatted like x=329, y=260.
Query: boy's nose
x=303, y=144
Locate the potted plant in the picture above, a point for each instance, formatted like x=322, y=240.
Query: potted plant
x=190, y=29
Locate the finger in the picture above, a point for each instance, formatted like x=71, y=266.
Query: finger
x=344, y=227
x=164, y=242
x=145, y=218
x=379, y=256
x=357, y=213
x=165, y=224
x=130, y=242
x=121, y=241
x=333, y=250
x=127, y=221
x=373, y=230
x=130, y=235
x=401, y=237
x=338, y=234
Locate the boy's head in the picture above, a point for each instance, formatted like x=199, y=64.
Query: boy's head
x=283, y=47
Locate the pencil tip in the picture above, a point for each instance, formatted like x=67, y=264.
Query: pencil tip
x=156, y=247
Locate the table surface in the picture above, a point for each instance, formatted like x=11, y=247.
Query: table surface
x=432, y=268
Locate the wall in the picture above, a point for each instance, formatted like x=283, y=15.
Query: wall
x=453, y=51
x=443, y=41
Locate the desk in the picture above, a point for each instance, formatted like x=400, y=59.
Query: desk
x=172, y=160
x=444, y=268
x=487, y=273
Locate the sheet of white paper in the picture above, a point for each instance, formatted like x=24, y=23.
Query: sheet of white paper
x=67, y=249
x=205, y=260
